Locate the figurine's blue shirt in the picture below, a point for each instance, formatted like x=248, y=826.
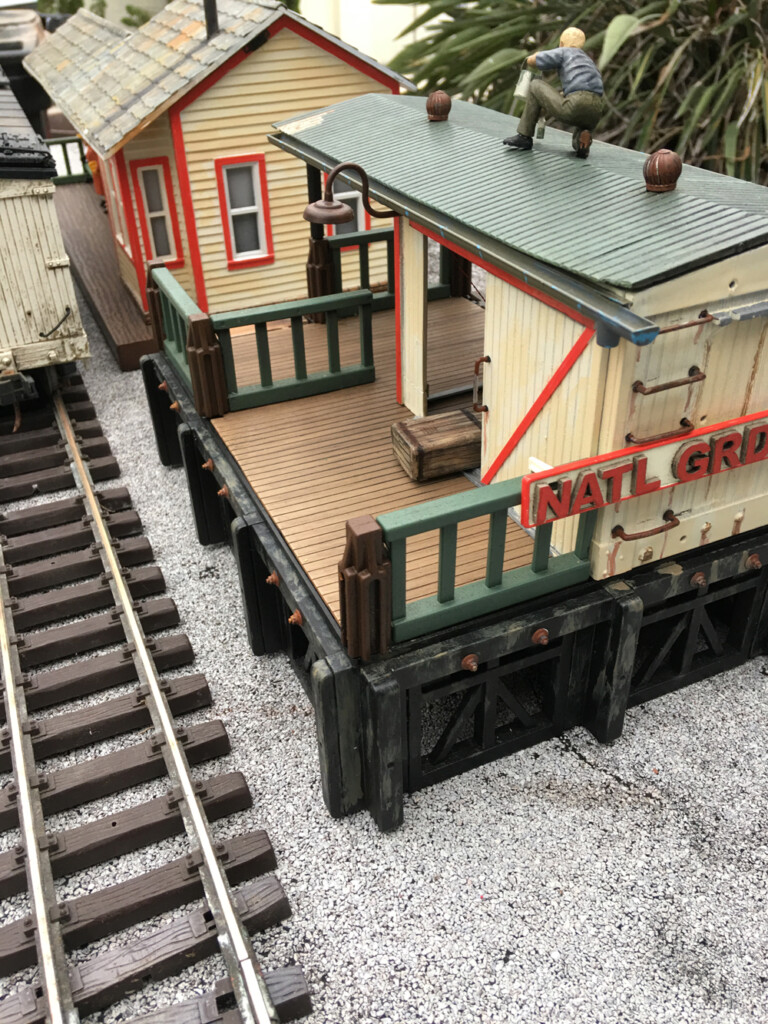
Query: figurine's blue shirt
x=577, y=70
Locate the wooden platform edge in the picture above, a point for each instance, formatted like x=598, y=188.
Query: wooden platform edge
x=127, y=355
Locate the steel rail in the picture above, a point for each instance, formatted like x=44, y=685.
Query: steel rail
x=54, y=971
x=253, y=1000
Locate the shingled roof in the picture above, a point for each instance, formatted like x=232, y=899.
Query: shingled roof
x=111, y=82
x=590, y=218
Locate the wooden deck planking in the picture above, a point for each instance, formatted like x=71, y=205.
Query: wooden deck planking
x=316, y=462
x=455, y=328
x=91, y=250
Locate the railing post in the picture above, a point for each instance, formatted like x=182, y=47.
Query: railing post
x=154, y=307
x=365, y=586
x=206, y=367
x=319, y=273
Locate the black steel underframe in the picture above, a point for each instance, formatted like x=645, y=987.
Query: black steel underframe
x=416, y=716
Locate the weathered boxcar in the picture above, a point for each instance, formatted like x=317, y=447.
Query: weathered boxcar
x=616, y=545
x=39, y=320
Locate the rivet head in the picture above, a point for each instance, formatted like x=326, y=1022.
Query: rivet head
x=540, y=636
x=297, y=619
x=470, y=663
x=753, y=562
x=273, y=579
x=698, y=580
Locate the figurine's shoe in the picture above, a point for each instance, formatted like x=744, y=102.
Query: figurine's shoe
x=519, y=142
x=582, y=140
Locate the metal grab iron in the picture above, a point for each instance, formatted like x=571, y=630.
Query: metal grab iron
x=670, y=522
x=686, y=428
x=694, y=376
x=476, y=407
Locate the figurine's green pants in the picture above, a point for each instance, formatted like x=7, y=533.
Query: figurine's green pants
x=580, y=109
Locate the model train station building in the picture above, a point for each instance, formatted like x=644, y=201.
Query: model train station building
x=437, y=624
x=178, y=113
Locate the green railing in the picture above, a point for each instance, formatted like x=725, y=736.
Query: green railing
x=176, y=307
x=302, y=383
x=361, y=240
x=499, y=589
x=69, y=153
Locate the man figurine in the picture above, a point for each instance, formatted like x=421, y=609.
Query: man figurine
x=581, y=102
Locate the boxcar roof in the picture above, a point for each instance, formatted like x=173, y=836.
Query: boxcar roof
x=22, y=154
x=110, y=81
x=591, y=218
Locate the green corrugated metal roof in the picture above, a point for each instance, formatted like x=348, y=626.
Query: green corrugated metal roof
x=592, y=218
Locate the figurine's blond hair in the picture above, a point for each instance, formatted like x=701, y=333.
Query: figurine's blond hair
x=573, y=37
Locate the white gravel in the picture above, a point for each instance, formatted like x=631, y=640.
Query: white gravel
x=569, y=883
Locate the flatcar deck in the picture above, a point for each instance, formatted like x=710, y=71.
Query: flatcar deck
x=313, y=470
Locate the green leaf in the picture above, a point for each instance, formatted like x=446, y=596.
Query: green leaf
x=617, y=33
x=731, y=139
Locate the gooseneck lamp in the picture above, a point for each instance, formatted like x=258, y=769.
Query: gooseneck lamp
x=332, y=211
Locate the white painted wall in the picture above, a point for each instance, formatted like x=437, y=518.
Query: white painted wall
x=370, y=27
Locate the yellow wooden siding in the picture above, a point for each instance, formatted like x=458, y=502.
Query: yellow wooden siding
x=156, y=141
x=37, y=284
x=287, y=76
x=735, y=361
x=527, y=341
x=413, y=326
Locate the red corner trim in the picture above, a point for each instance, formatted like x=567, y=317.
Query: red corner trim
x=560, y=373
x=180, y=155
x=551, y=386
x=160, y=161
x=398, y=313
x=130, y=223
x=233, y=261
x=306, y=32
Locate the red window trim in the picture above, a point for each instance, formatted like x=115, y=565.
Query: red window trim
x=268, y=256
x=159, y=161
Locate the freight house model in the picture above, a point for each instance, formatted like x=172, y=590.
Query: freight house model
x=178, y=112
x=622, y=423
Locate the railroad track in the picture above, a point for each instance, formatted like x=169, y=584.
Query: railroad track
x=81, y=602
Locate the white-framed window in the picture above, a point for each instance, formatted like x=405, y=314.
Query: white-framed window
x=243, y=199
x=153, y=188
x=158, y=216
x=354, y=200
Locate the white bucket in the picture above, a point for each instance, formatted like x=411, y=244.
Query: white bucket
x=523, y=86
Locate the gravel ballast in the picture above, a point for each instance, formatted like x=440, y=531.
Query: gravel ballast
x=572, y=882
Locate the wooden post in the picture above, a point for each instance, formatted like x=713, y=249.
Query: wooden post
x=365, y=585
x=607, y=703
x=206, y=367
x=154, y=309
x=319, y=261
x=456, y=272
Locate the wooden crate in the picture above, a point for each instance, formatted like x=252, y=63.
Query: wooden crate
x=428, y=447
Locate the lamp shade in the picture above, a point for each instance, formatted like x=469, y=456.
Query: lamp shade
x=326, y=211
